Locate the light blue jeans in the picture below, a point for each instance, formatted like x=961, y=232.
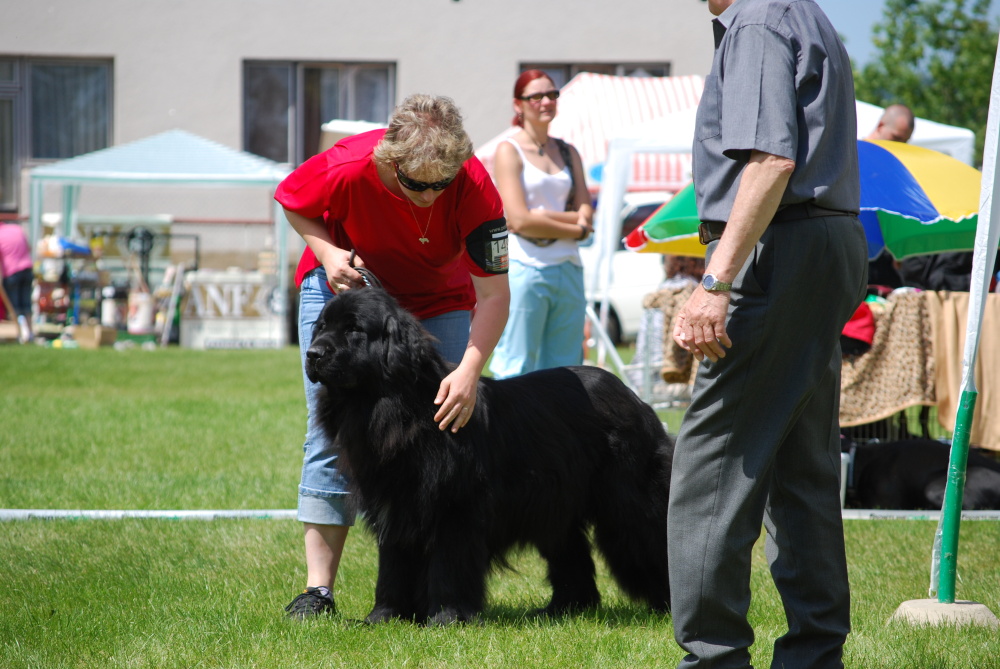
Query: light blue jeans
x=323, y=490
x=545, y=326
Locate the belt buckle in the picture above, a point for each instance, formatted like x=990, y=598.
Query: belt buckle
x=705, y=235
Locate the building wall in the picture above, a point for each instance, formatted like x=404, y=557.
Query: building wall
x=178, y=63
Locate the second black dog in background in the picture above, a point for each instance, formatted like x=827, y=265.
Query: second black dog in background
x=547, y=457
x=913, y=473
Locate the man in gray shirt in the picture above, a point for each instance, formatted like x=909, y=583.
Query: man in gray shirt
x=776, y=176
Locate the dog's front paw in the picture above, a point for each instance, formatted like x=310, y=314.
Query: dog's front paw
x=383, y=614
x=451, y=616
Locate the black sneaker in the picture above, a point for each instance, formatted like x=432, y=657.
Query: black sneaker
x=312, y=602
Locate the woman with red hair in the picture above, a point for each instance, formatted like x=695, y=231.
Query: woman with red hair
x=548, y=208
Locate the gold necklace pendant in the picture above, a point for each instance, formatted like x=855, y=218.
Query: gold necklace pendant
x=423, y=239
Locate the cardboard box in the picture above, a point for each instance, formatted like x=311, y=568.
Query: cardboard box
x=8, y=331
x=94, y=336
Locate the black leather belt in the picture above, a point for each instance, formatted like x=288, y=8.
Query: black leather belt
x=794, y=212
x=709, y=231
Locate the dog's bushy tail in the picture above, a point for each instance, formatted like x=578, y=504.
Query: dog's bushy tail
x=630, y=527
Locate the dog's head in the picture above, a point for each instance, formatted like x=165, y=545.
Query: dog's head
x=363, y=338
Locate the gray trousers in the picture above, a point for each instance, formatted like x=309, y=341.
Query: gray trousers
x=760, y=445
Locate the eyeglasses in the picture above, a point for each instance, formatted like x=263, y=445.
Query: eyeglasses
x=420, y=186
x=537, y=97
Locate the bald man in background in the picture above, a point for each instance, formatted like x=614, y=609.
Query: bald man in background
x=896, y=124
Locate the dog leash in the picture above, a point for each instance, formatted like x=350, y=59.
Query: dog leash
x=366, y=274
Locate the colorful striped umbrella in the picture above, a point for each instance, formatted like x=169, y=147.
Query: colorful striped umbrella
x=673, y=228
x=914, y=201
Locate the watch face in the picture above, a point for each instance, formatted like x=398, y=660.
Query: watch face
x=711, y=283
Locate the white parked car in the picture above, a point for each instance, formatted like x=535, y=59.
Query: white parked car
x=633, y=275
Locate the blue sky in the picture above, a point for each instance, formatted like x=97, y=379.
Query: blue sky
x=854, y=20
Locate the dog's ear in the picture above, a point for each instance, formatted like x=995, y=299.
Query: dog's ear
x=398, y=345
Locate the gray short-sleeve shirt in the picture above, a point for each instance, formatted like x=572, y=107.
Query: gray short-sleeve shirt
x=780, y=83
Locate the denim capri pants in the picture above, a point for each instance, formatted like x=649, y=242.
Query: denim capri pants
x=546, y=322
x=323, y=490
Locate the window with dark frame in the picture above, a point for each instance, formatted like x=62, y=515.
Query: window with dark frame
x=50, y=109
x=561, y=73
x=286, y=103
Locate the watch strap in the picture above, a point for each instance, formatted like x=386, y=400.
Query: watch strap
x=713, y=285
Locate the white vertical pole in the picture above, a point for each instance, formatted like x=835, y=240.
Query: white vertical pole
x=945, y=554
x=36, y=198
x=281, y=250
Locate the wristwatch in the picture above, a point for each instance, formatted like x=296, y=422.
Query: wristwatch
x=713, y=285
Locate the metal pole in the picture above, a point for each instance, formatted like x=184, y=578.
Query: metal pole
x=983, y=257
x=951, y=513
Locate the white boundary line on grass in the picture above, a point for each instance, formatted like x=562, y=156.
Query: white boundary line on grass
x=286, y=514
x=205, y=514
x=879, y=514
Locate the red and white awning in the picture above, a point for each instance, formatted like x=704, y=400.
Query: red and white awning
x=593, y=108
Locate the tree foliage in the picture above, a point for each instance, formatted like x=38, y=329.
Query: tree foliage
x=936, y=57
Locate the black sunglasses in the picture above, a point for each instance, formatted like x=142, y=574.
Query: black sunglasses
x=420, y=186
x=537, y=97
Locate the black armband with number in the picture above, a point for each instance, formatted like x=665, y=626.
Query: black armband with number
x=487, y=246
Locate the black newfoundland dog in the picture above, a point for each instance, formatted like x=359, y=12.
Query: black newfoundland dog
x=913, y=474
x=546, y=458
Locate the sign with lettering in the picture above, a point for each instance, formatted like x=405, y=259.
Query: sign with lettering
x=231, y=310
x=230, y=300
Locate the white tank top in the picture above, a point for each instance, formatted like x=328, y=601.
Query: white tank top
x=548, y=191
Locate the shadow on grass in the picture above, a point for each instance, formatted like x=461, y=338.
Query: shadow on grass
x=528, y=617
x=616, y=614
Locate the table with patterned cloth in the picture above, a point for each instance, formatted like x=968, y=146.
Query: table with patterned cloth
x=676, y=364
x=898, y=371
x=915, y=360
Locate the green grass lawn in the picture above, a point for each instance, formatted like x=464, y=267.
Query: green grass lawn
x=177, y=429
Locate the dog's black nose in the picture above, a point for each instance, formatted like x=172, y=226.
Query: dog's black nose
x=315, y=352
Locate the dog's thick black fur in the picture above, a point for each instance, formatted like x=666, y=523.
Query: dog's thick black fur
x=913, y=473
x=545, y=458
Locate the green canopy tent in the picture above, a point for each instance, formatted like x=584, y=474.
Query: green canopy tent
x=171, y=158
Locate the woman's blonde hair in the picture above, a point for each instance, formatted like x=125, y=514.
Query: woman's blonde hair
x=425, y=134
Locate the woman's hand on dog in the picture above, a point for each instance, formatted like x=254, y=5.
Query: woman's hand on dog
x=457, y=397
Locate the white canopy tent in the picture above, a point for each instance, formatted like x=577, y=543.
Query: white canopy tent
x=337, y=129
x=593, y=108
x=174, y=158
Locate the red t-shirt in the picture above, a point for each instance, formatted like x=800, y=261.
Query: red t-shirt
x=342, y=186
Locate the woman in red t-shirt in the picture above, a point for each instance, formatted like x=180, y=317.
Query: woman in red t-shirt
x=412, y=205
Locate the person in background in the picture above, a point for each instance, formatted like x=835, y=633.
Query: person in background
x=547, y=205
x=776, y=179
x=412, y=205
x=895, y=125
x=15, y=268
